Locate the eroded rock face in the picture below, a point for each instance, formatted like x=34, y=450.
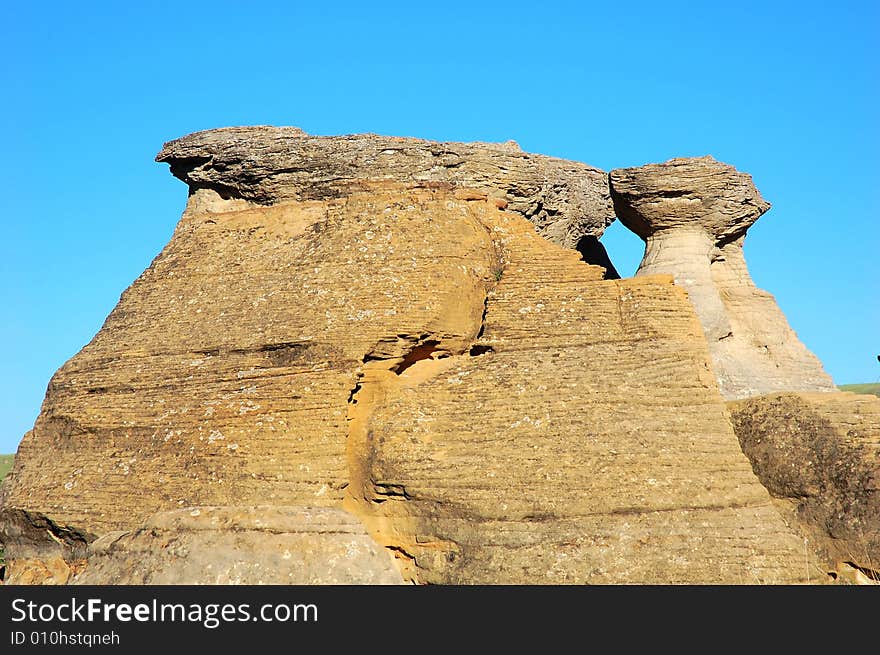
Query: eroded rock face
x=413, y=352
x=242, y=545
x=587, y=445
x=693, y=214
x=819, y=453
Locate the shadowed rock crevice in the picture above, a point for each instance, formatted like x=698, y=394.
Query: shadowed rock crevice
x=46, y=552
x=872, y=575
x=593, y=252
x=420, y=353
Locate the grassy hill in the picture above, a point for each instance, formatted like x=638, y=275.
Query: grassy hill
x=5, y=465
x=870, y=387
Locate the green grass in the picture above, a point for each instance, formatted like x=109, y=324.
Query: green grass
x=870, y=387
x=5, y=465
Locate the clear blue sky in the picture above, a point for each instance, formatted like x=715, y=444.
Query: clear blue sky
x=787, y=91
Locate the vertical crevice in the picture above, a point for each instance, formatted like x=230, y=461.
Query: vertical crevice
x=395, y=362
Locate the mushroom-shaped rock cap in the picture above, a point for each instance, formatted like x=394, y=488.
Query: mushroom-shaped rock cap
x=686, y=192
x=564, y=199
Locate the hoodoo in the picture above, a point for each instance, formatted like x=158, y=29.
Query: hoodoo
x=693, y=214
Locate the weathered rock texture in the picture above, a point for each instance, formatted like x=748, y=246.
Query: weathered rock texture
x=693, y=214
x=565, y=200
x=588, y=445
x=819, y=453
x=242, y=545
x=344, y=334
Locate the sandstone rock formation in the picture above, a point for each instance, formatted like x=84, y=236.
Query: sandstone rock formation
x=693, y=214
x=242, y=545
x=819, y=453
x=350, y=323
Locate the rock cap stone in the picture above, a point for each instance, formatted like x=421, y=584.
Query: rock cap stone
x=686, y=192
x=263, y=164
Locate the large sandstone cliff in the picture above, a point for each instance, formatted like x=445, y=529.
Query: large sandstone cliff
x=378, y=326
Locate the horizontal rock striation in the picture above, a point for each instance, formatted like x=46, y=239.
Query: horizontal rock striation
x=223, y=376
x=588, y=444
x=693, y=214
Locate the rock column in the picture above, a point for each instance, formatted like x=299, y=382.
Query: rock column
x=693, y=214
